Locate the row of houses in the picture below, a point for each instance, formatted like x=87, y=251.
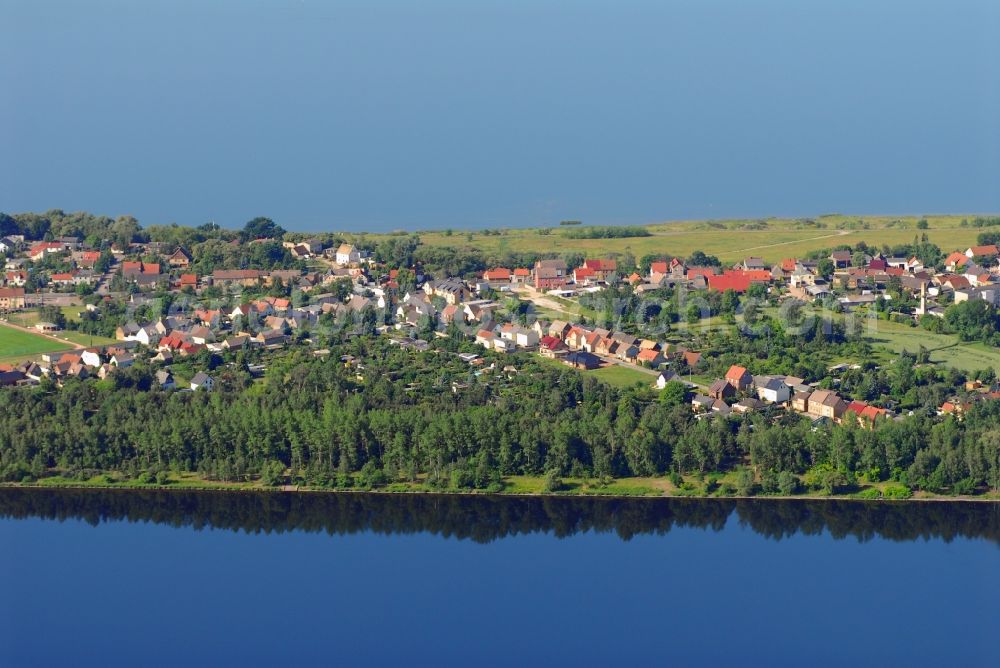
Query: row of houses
x=749, y=392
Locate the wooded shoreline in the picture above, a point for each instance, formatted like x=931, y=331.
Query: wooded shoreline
x=294, y=489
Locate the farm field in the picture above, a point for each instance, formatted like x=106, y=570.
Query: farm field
x=730, y=240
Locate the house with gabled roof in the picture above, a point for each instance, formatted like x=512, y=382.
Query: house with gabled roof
x=990, y=251
x=739, y=378
x=956, y=261
x=701, y=403
x=772, y=389
x=826, y=403
x=721, y=389
x=165, y=380
x=581, y=359
x=649, y=357
x=667, y=377
x=12, y=298
x=202, y=381
x=179, y=259
x=841, y=259
x=748, y=405
x=550, y=346
x=497, y=275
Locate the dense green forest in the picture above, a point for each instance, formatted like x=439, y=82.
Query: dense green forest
x=427, y=416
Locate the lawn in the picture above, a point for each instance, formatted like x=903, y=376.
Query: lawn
x=622, y=376
x=945, y=348
x=16, y=344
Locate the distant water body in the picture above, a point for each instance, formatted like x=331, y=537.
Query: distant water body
x=387, y=115
x=125, y=578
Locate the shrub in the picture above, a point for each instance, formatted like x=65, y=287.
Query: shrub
x=553, y=483
x=788, y=483
x=898, y=491
x=745, y=482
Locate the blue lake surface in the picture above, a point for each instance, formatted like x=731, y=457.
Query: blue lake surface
x=347, y=115
x=105, y=579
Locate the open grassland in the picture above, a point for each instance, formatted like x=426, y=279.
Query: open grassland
x=30, y=317
x=730, y=240
x=622, y=376
x=16, y=344
x=945, y=349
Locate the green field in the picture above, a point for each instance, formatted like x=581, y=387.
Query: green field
x=29, y=317
x=16, y=344
x=730, y=240
x=945, y=348
x=622, y=376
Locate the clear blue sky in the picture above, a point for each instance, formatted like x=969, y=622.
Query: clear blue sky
x=382, y=115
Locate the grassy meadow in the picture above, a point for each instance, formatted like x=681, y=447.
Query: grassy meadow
x=16, y=345
x=623, y=376
x=772, y=239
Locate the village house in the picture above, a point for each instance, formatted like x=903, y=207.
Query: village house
x=601, y=269
x=771, y=389
x=990, y=251
x=347, y=254
x=841, y=259
x=865, y=414
x=179, y=259
x=628, y=353
x=452, y=290
x=650, y=358
x=165, y=380
x=12, y=298
x=721, y=389
x=667, y=377
x=91, y=357
x=243, y=277
x=956, y=261
x=479, y=310
x=550, y=346
x=550, y=274
x=582, y=360
x=590, y=341
x=748, y=405
x=691, y=358
x=133, y=270
x=520, y=276
x=826, y=403
x=559, y=329
x=274, y=338
x=202, y=381
x=739, y=378
x=122, y=360
x=575, y=337
x=497, y=275
x=701, y=403
x=43, y=249
x=237, y=341
x=9, y=244
x=658, y=271
x=16, y=278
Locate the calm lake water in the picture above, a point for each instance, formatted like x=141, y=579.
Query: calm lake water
x=136, y=578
